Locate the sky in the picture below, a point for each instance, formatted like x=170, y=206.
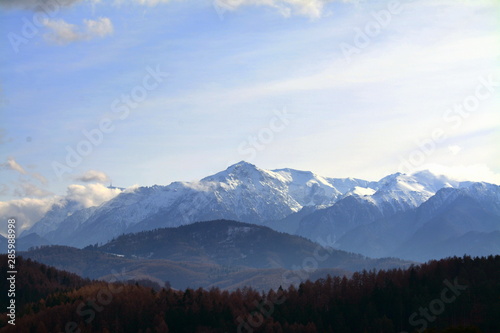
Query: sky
x=144, y=92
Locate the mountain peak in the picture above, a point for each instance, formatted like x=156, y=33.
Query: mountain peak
x=242, y=165
x=434, y=181
x=392, y=178
x=400, y=182
x=242, y=169
x=424, y=181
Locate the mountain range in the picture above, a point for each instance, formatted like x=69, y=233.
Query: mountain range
x=418, y=217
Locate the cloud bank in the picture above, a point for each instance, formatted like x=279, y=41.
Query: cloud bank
x=90, y=195
x=28, y=211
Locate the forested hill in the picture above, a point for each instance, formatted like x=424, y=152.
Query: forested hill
x=436, y=296
x=35, y=281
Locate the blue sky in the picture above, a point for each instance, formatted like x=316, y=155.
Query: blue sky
x=342, y=88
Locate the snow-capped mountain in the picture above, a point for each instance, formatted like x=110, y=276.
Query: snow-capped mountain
x=242, y=192
x=52, y=219
x=391, y=195
x=435, y=229
x=323, y=209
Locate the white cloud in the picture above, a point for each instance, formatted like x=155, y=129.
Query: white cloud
x=474, y=172
x=309, y=8
x=62, y=32
x=93, y=176
x=99, y=28
x=28, y=211
x=40, y=178
x=151, y=2
x=24, y=188
x=132, y=188
x=91, y=195
x=11, y=164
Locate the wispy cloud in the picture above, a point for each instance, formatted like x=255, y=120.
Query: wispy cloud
x=150, y=2
x=381, y=105
x=62, y=32
x=40, y=178
x=11, y=164
x=93, y=176
x=310, y=8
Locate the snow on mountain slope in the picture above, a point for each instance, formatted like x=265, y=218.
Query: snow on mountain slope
x=308, y=188
x=362, y=191
x=434, y=182
x=247, y=193
x=399, y=192
x=310, y=205
x=51, y=220
x=71, y=224
x=393, y=194
x=419, y=234
x=301, y=188
x=242, y=192
x=345, y=185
